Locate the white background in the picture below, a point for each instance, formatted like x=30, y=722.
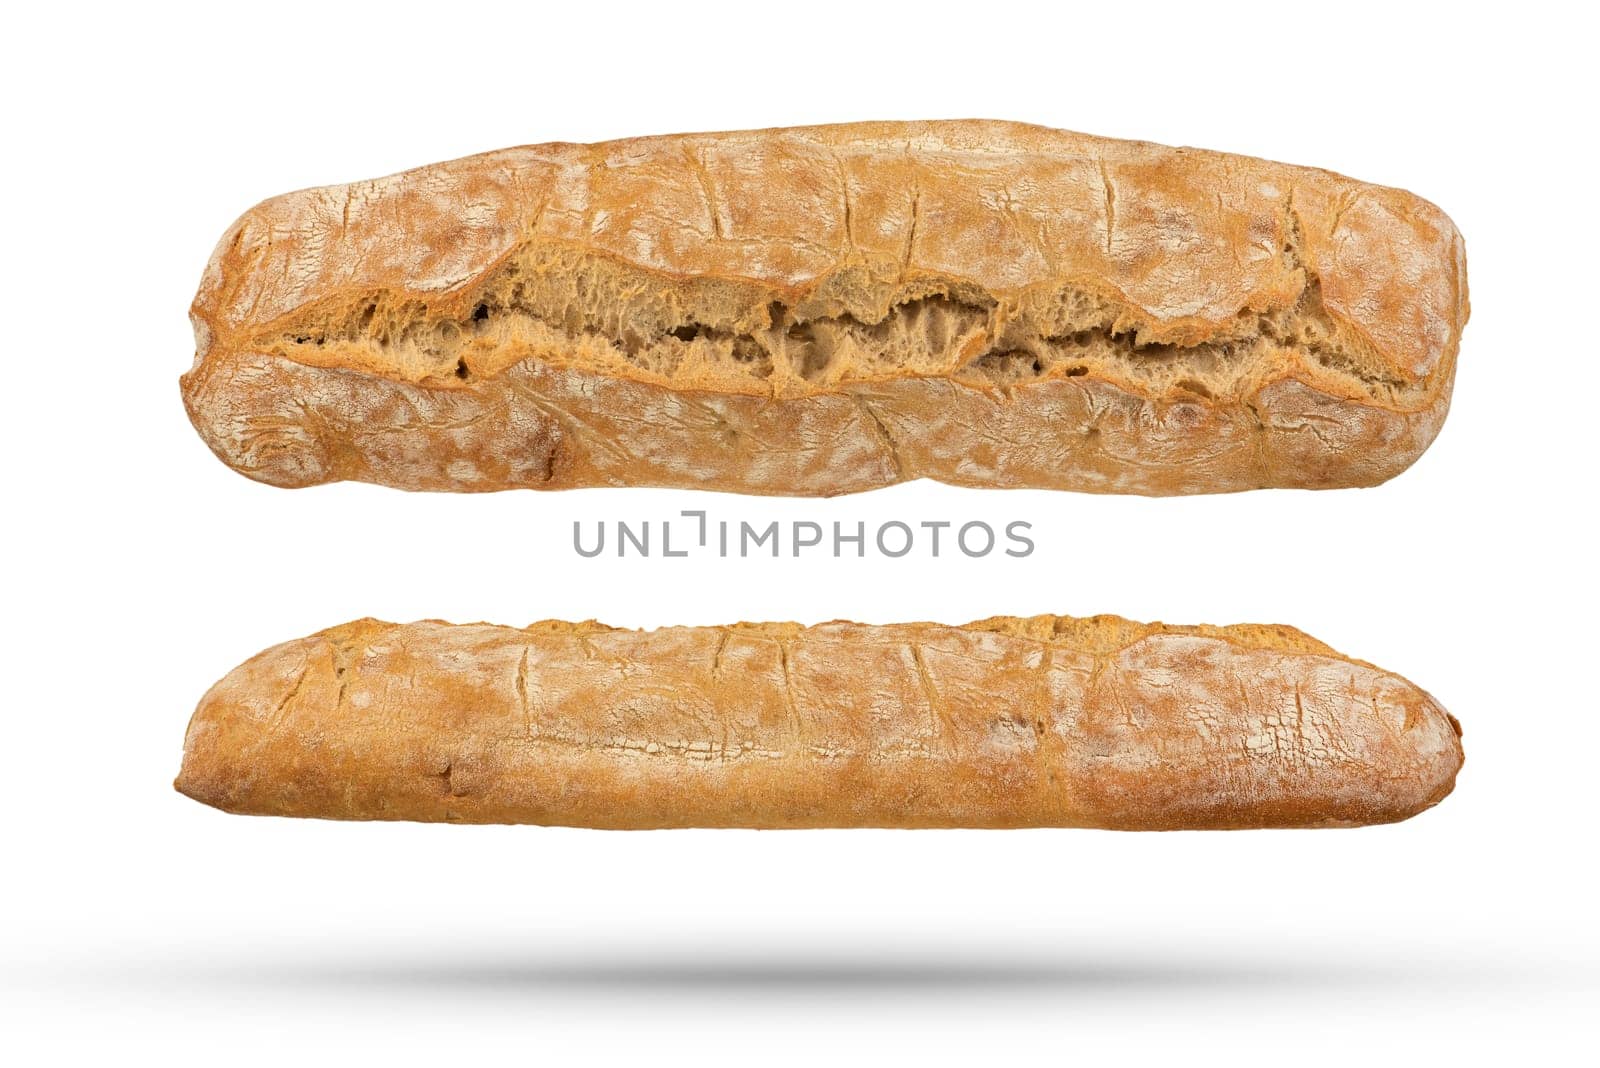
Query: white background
x=139, y=569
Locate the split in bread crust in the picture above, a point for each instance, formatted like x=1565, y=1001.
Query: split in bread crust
x=829, y=309
x=1041, y=722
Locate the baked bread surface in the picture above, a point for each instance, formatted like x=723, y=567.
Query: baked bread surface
x=1046, y=721
x=829, y=309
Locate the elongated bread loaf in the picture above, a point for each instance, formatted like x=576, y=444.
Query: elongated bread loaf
x=830, y=309
x=1047, y=721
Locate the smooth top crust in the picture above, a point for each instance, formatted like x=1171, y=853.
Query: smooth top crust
x=1005, y=722
x=1183, y=242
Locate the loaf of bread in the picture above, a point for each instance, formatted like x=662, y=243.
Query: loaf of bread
x=822, y=310
x=1041, y=722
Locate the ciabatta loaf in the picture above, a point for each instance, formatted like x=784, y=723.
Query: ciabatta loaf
x=830, y=309
x=1036, y=722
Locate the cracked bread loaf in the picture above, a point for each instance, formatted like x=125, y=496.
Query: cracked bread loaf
x=829, y=309
x=1047, y=721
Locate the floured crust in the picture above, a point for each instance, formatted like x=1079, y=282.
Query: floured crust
x=1046, y=721
x=825, y=309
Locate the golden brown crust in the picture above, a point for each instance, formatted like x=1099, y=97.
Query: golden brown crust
x=827, y=309
x=1048, y=721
